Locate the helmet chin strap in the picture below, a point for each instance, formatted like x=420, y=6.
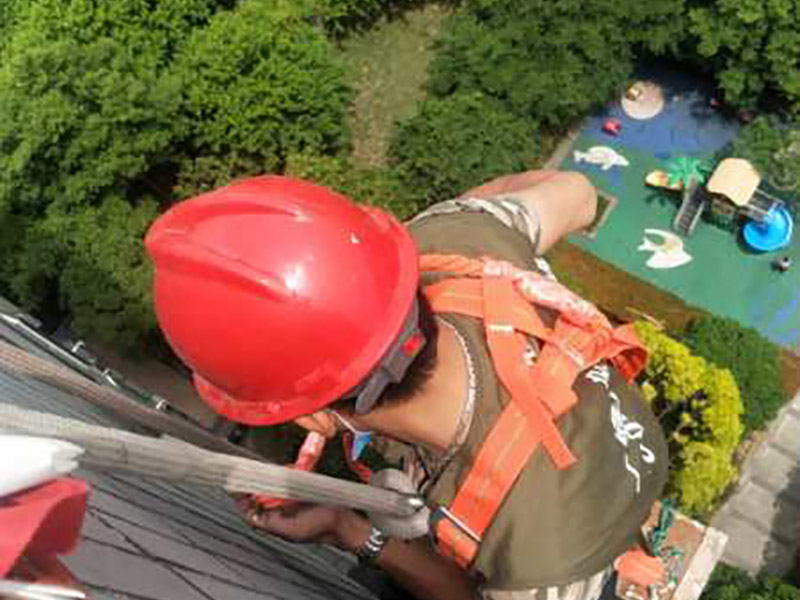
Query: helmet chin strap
x=394, y=364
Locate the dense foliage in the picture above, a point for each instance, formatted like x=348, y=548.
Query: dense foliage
x=753, y=360
x=372, y=185
x=730, y=583
x=343, y=16
x=111, y=108
x=773, y=147
x=751, y=47
x=258, y=83
x=549, y=62
x=96, y=259
x=115, y=109
x=699, y=407
x=458, y=142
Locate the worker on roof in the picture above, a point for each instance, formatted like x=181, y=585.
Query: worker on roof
x=509, y=398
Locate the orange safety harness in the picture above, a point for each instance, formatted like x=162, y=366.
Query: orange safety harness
x=505, y=298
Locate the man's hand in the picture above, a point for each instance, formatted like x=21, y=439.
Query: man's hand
x=414, y=565
x=307, y=523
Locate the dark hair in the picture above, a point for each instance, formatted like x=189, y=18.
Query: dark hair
x=418, y=372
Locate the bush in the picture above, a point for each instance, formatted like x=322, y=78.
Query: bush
x=96, y=259
x=90, y=118
x=551, y=62
x=456, y=143
x=88, y=104
x=753, y=360
x=377, y=186
x=774, y=148
x=259, y=83
x=749, y=67
x=699, y=407
x=343, y=16
x=107, y=104
x=730, y=583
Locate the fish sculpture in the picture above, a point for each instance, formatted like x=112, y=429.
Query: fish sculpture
x=666, y=255
x=29, y=461
x=603, y=156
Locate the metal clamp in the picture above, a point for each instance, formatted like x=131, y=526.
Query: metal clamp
x=441, y=512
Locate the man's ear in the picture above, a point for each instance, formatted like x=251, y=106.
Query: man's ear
x=321, y=422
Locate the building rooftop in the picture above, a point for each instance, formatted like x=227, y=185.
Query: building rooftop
x=148, y=539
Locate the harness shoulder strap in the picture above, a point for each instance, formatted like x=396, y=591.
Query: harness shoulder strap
x=504, y=298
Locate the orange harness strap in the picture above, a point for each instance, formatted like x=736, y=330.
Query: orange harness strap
x=540, y=391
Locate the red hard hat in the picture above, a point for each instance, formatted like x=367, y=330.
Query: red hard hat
x=281, y=295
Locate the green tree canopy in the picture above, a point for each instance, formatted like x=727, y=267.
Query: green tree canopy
x=751, y=46
x=458, y=142
x=106, y=103
x=258, y=83
x=551, y=62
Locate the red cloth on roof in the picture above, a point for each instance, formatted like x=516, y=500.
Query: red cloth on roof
x=43, y=521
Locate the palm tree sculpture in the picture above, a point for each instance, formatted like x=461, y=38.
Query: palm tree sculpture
x=685, y=172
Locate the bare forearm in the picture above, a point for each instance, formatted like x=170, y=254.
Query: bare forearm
x=564, y=202
x=414, y=565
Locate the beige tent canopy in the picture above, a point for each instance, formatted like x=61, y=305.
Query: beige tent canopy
x=736, y=179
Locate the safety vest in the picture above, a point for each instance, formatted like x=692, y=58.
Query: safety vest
x=506, y=298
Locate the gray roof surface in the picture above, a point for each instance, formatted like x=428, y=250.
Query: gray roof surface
x=147, y=539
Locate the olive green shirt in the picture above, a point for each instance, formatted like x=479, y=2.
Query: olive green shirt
x=554, y=527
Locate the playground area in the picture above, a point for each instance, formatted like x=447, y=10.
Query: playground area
x=672, y=118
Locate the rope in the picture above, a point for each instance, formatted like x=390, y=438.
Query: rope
x=173, y=460
x=19, y=362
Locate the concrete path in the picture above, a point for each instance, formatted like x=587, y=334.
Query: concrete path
x=762, y=516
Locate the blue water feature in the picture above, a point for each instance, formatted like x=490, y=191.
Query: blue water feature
x=774, y=232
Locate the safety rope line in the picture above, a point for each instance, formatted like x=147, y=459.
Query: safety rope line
x=107, y=448
x=19, y=362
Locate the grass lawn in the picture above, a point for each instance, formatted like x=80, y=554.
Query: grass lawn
x=387, y=66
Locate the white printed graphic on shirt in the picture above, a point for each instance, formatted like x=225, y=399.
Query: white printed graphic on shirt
x=625, y=430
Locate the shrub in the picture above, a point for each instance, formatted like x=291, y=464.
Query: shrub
x=551, y=62
x=96, y=259
x=753, y=360
x=749, y=67
x=343, y=16
x=106, y=104
x=88, y=104
x=90, y=118
x=378, y=186
x=259, y=83
x=772, y=146
x=699, y=407
x=730, y=583
x=455, y=143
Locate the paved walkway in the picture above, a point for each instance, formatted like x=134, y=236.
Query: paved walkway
x=762, y=517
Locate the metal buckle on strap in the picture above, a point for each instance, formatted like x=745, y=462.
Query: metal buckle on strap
x=500, y=327
x=441, y=512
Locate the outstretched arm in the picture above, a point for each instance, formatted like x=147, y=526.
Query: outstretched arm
x=413, y=565
x=564, y=201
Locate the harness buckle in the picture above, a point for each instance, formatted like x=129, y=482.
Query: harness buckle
x=441, y=512
x=500, y=327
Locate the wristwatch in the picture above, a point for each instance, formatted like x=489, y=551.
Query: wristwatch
x=371, y=548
